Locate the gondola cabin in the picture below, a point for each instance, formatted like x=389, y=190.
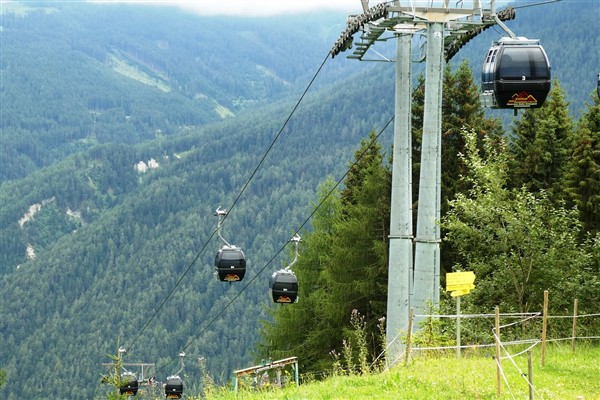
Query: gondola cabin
x=515, y=74
x=129, y=384
x=230, y=263
x=284, y=287
x=174, y=387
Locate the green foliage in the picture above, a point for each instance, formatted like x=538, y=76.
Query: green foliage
x=342, y=265
x=517, y=244
x=360, y=336
x=541, y=144
x=582, y=172
x=432, y=332
x=209, y=388
x=114, y=377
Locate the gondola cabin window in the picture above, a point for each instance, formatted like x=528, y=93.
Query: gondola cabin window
x=523, y=63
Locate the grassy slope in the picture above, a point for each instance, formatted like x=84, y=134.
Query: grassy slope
x=565, y=376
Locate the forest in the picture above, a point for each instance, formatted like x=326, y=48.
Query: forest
x=96, y=254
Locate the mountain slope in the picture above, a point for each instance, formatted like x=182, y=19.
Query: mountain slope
x=111, y=241
x=78, y=74
x=139, y=232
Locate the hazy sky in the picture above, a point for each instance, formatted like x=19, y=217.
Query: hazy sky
x=268, y=7
x=255, y=7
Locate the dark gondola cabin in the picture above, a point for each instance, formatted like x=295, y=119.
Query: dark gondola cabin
x=515, y=74
x=230, y=263
x=174, y=387
x=129, y=384
x=284, y=287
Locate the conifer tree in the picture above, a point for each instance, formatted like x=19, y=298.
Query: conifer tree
x=368, y=153
x=582, y=176
x=342, y=267
x=540, y=146
x=356, y=277
x=297, y=329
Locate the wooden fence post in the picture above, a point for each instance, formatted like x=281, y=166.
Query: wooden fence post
x=408, y=335
x=544, y=326
x=530, y=374
x=574, y=333
x=498, y=368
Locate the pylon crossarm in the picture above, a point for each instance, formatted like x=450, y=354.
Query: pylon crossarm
x=402, y=18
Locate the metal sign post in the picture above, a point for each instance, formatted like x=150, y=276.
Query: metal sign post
x=459, y=283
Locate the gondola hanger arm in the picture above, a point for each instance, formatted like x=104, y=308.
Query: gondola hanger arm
x=181, y=356
x=504, y=27
x=296, y=239
x=221, y=213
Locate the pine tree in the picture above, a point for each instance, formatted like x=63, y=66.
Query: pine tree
x=540, y=148
x=297, y=329
x=582, y=176
x=342, y=267
x=356, y=276
x=368, y=153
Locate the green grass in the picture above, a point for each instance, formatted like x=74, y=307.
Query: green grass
x=564, y=376
x=121, y=66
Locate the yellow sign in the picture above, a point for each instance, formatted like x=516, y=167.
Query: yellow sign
x=458, y=293
x=460, y=281
x=466, y=286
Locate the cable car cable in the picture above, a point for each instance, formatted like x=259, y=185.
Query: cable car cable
x=234, y=202
x=536, y=4
x=316, y=208
x=238, y=197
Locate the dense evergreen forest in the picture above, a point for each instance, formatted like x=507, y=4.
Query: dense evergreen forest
x=124, y=127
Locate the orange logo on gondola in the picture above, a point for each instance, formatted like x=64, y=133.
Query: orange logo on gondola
x=522, y=99
x=284, y=299
x=231, y=278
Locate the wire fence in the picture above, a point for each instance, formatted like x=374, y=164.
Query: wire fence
x=524, y=331
x=478, y=332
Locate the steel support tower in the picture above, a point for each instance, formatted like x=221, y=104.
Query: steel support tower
x=414, y=262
